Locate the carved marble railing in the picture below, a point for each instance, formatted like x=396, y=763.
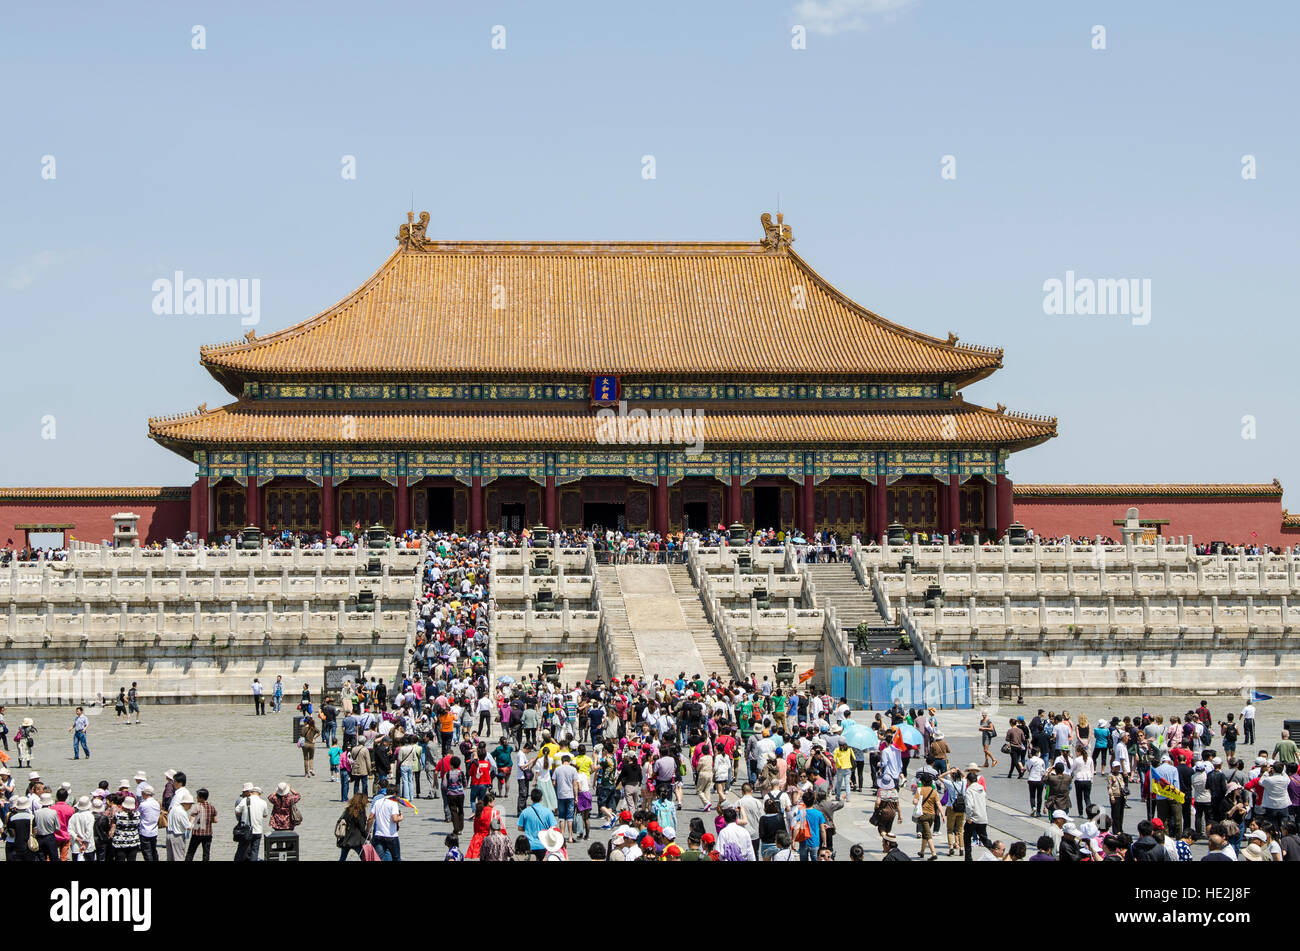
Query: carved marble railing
x=105, y=557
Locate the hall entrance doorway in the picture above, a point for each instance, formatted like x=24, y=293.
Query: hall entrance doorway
x=767, y=507
x=695, y=517
x=609, y=516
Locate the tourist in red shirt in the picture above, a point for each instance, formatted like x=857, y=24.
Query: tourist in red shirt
x=65, y=811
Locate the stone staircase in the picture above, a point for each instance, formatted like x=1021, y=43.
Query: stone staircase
x=613, y=607
x=698, y=624
x=838, y=587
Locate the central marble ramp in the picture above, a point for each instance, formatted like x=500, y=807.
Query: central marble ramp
x=663, y=638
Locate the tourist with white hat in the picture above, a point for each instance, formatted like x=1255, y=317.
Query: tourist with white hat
x=18, y=832
x=253, y=815
x=25, y=740
x=81, y=832
x=124, y=831
x=179, y=825
x=149, y=810
x=552, y=841
x=6, y=791
x=45, y=828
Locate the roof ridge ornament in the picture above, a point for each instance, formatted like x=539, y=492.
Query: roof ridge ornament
x=778, y=236
x=411, y=236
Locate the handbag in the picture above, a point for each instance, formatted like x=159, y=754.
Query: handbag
x=1006, y=747
x=243, y=830
x=295, y=815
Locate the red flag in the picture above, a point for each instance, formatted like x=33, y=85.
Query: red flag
x=807, y=675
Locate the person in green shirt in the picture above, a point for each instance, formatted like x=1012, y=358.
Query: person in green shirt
x=778, y=709
x=745, y=712
x=1285, y=751
x=503, y=759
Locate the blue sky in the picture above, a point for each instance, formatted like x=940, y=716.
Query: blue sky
x=225, y=162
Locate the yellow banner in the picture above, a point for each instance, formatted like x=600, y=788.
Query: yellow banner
x=1162, y=788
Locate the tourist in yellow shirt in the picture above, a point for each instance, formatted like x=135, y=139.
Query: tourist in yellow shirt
x=843, y=758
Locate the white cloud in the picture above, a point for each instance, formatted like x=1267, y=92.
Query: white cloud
x=843, y=16
x=23, y=274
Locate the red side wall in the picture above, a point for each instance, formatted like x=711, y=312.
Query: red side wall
x=159, y=519
x=1229, y=519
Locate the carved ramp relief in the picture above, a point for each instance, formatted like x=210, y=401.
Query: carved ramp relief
x=654, y=613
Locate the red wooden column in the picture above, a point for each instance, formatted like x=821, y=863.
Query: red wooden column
x=880, y=507
x=403, y=515
x=329, y=524
x=198, y=493
x=952, y=502
x=661, y=505
x=205, y=508
x=733, y=500
x=552, y=506
x=476, y=503
x=1005, y=514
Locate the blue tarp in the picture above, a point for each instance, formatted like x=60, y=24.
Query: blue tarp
x=876, y=688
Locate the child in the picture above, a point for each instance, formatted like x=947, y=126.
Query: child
x=453, y=848
x=336, y=753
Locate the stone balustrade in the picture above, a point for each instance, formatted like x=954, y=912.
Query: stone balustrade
x=722, y=558
x=201, y=618
x=519, y=587
x=1202, y=577
x=1175, y=553
x=737, y=586
x=105, y=557
x=513, y=560
x=1109, y=616
x=50, y=582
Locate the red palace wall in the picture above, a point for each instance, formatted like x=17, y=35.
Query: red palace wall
x=1206, y=519
x=165, y=513
x=162, y=516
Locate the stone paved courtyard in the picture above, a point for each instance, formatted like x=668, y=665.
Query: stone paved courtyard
x=221, y=747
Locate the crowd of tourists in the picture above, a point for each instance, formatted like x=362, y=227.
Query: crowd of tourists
x=685, y=768
x=1185, y=772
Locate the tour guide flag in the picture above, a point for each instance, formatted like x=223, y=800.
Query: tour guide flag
x=410, y=805
x=1162, y=788
x=807, y=674
x=1256, y=697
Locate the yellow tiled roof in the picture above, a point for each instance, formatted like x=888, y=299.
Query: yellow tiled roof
x=1148, y=490
x=107, y=493
x=686, y=309
x=257, y=423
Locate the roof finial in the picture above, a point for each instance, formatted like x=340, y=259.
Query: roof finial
x=411, y=235
x=775, y=236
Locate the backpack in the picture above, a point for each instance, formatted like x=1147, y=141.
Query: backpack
x=959, y=802
x=341, y=829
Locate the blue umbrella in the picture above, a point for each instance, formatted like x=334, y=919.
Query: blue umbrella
x=911, y=735
x=860, y=737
